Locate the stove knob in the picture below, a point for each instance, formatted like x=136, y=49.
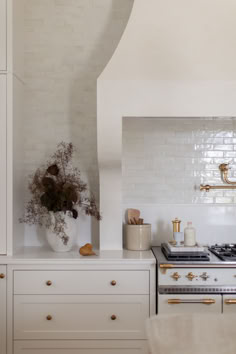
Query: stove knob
x=204, y=276
x=176, y=276
x=191, y=276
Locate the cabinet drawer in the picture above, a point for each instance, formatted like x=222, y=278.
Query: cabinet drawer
x=81, y=282
x=3, y=34
x=81, y=347
x=80, y=316
x=189, y=304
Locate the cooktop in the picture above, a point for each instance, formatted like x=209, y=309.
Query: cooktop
x=225, y=252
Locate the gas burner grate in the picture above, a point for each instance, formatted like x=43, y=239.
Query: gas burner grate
x=226, y=252
x=184, y=256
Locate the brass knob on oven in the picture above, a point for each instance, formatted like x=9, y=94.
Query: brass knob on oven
x=190, y=276
x=204, y=276
x=2, y=276
x=49, y=317
x=113, y=317
x=49, y=283
x=176, y=276
x=113, y=282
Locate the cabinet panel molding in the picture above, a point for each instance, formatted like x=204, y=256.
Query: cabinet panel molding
x=81, y=347
x=3, y=304
x=80, y=316
x=3, y=35
x=112, y=282
x=3, y=161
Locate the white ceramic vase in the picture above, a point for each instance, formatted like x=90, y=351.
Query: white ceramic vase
x=54, y=240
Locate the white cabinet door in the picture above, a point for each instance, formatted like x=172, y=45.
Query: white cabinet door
x=3, y=303
x=229, y=304
x=3, y=34
x=3, y=173
x=189, y=304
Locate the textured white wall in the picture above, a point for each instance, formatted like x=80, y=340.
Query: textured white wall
x=67, y=45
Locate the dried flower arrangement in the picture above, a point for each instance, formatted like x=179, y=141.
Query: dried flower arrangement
x=57, y=187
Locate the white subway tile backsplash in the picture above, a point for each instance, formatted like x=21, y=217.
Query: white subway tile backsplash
x=166, y=159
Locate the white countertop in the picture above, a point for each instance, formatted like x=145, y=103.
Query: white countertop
x=39, y=255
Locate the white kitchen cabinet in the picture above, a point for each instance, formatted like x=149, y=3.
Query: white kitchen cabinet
x=11, y=115
x=189, y=304
x=3, y=153
x=3, y=35
x=90, y=306
x=3, y=304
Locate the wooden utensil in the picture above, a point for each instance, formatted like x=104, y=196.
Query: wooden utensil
x=133, y=216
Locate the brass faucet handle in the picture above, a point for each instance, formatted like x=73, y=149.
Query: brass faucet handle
x=176, y=276
x=207, y=187
x=224, y=167
x=190, y=276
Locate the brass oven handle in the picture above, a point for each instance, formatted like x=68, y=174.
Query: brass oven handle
x=2, y=276
x=191, y=301
x=113, y=282
x=113, y=317
x=49, y=283
x=230, y=302
x=49, y=317
x=166, y=266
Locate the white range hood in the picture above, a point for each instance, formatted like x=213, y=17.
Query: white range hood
x=175, y=59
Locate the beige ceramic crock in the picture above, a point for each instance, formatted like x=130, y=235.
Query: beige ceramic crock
x=138, y=237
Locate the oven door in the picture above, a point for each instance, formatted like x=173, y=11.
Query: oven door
x=179, y=303
x=229, y=303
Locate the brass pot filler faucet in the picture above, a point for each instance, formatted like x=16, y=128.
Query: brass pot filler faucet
x=224, y=168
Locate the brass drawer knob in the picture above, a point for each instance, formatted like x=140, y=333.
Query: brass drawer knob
x=2, y=276
x=49, y=317
x=49, y=283
x=113, y=317
x=113, y=282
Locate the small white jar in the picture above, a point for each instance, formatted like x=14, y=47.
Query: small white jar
x=189, y=235
x=138, y=237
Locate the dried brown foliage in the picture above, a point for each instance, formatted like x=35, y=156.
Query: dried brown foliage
x=57, y=187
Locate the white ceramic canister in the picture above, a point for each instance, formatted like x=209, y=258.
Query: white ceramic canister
x=138, y=237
